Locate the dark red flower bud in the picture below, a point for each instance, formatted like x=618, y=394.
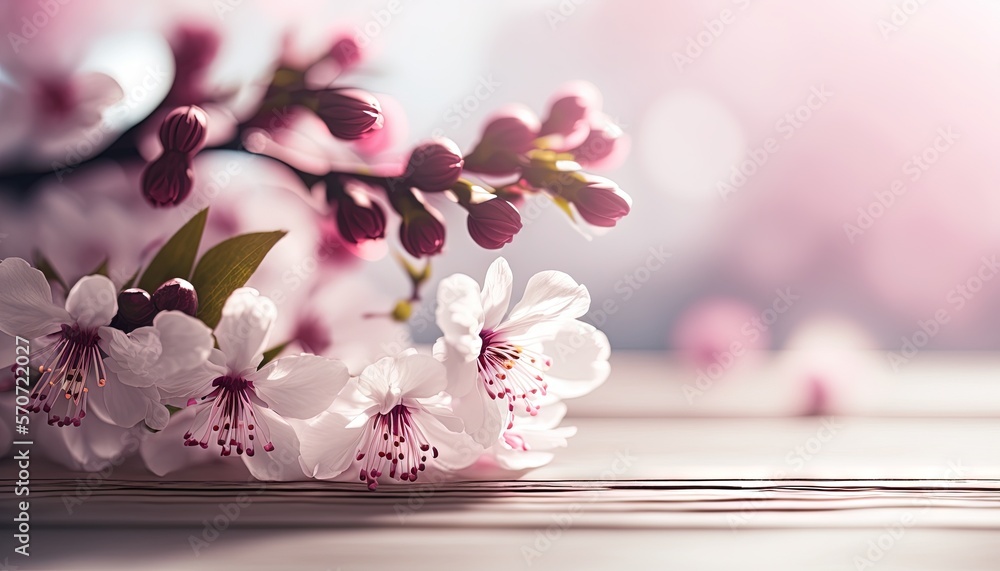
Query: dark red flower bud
x=600, y=143
x=493, y=223
x=569, y=112
x=422, y=233
x=176, y=295
x=435, y=166
x=513, y=130
x=359, y=218
x=184, y=129
x=510, y=133
x=349, y=113
x=600, y=202
x=566, y=116
x=135, y=310
x=167, y=181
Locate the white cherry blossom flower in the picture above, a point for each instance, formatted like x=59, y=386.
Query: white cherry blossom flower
x=497, y=364
x=393, y=421
x=245, y=410
x=70, y=364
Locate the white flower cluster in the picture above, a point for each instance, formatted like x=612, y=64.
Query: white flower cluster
x=491, y=393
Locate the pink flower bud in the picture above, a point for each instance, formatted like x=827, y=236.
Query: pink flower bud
x=135, y=310
x=167, y=181
x=435, y=166
x=176, y=295
x=493, y=223
x=184, y=130
x=421, y=233
x=359, y=218
x=349, y=114
x=346, y=53
x=600, y=202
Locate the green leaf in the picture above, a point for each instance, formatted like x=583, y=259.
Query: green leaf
x=176, y=258
x=43, y=265
x=227, y=267
x=273, y=352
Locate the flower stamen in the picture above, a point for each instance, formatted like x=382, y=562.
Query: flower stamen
x=232, y=417
x=397, y=440
x=67, y=364
x=510, y=371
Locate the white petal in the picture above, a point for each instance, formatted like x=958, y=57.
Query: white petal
x=377, y=381
x=548, y=439
x=353, y=403
x=463, y=375
x=26, y=307
x=460, y=313
x=157, y=415
x=300, y=386
x=420, y=376
x=579, y=355
x=456, y=450
x=92, y=446
x=549, y=296
x=164, y=452
x=550, y=413
x=186, y=342
x=328, y=446
x=122, y=404
x=132, y=356
x=282, y=464
x=517, y=460
x=195, y=382
x=243, y=331
x=485, y=418
x=496, y=292
x=441, y=409
x=92, y=302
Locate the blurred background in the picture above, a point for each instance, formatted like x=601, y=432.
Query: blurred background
x=906, y=112
x=795, y=168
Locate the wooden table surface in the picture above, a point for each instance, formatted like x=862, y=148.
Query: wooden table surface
x=648, y=484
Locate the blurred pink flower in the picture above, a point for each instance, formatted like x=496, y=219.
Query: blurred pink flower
x=709, y=330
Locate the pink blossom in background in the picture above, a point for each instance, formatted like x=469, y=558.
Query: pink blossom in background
x=719, y=331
